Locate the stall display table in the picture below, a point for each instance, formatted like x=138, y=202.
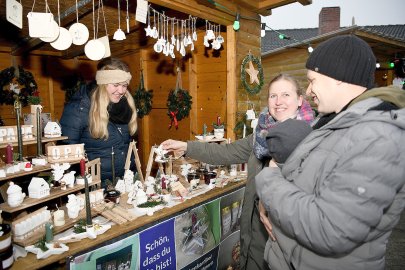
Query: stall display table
x=117, y=232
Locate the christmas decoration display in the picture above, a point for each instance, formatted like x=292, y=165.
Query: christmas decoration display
x=143, y=99
x=16, y=83
x=256, y=76
x=178, y=102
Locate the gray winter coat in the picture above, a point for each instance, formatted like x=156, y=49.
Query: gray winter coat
x=341, y=192
x=253, y=234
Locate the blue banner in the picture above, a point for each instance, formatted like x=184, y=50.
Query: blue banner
x=157, y=247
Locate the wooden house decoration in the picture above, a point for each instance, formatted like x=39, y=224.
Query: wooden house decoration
x=38, y=188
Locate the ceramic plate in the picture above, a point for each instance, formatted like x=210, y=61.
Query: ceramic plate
x=54, y=33
x=94, y=49
x=79, y=33
x=64, y=41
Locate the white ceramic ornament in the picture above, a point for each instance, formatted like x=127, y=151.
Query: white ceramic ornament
x=79, y=33
x=64, y=40
x=94, y=50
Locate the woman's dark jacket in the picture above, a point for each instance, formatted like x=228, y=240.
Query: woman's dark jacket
x=75, y=125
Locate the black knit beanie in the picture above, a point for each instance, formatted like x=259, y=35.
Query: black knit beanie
x=345, y=58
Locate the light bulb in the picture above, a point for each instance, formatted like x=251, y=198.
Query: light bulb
x=310, y=49
x=378, y=65
x=263, y=30
x=236, y=25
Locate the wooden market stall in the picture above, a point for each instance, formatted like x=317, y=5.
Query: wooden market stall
x=211, y=76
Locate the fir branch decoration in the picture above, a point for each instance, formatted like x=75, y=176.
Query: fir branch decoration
x=10, y=82
x=255, y=88
x=150, y=204
x=143, y=99
x=41, y=244
x=80, y=226
x=34, y=99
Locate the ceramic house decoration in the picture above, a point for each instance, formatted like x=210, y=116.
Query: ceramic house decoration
x=38, y=188
x=52, y=130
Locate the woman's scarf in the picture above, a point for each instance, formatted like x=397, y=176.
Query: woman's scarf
x=266, y=122
x=120, y=113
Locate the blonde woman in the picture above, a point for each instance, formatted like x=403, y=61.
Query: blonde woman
x=103, y=117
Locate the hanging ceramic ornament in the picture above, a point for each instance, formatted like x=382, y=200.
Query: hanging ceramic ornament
x=64, y=40
x=94, y=48
x=173, y=38
x=119, y=34
x=79, y=32
x=154, y=32
x=206, y=43
x=127, y=19
x=220, y=39
x=194, y=29
x=53, y=32
x=210, y=33
x=39, y=23
x=105, y=40
x=148, y=30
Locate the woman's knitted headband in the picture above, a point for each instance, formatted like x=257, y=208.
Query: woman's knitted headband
x=112, y=76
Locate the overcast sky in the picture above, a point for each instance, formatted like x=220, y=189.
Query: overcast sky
x=365, y=12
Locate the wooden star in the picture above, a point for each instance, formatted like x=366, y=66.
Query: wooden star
x=252, y=73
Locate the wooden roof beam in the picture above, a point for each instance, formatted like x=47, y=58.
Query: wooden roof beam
x=199, y=10
x=265, y=6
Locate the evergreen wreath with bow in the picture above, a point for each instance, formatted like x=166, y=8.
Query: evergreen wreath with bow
x=252, y=88
x=11, y=79
x=178, y=103
x=143, y=99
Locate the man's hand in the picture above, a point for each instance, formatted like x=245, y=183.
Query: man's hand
x=266, y=221
x=178, y=147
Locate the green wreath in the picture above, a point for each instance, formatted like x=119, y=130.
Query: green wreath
x=255, y=88
x=143, y=99
x=9, y=86
x=178, y=105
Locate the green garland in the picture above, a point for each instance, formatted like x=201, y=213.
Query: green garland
x=256, y=87
x=178, y=105
x=143, y=99
x=25, y=80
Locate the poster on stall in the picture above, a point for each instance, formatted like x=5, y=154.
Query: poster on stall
x=204, y=237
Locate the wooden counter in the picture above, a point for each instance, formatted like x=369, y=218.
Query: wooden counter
x=117, y=231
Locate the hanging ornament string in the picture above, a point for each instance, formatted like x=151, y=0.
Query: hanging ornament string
x=178, y=102
x=256, y=76
x=142, y=97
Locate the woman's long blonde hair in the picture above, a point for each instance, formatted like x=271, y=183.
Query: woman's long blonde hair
x=98, y=115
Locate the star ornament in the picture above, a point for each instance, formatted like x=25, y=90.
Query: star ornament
x=252, y=73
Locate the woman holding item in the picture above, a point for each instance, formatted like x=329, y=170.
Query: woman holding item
x=285, y=101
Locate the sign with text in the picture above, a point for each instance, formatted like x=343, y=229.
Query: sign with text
x=8, y=134
x=65, y=153
x=157, y=247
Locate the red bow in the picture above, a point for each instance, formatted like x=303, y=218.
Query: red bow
x=174, y=119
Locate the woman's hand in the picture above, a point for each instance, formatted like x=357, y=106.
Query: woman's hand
x=178, y=147
x=266, y=221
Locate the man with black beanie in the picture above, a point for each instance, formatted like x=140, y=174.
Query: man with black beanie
x=338, y=196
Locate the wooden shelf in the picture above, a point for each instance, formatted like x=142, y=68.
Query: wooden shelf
x=34, y=141
x=35, y=169
x=55, y=193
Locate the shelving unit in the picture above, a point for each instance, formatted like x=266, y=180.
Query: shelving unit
x=54, y=193
x=35, y=169
x=34, y=141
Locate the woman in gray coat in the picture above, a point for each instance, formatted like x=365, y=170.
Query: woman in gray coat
x=285, y=101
